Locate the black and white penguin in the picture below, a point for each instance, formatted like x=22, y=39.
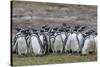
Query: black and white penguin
x=44, y=40
x=58, y=42
x=89, y=44
x=20, y=44
x=36, y=44
x=72, y=43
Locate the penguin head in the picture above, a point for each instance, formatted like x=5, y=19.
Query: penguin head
x=26, y=32
x=41, y=30
x=84, y=35
x=33, y=31
x=91, y=32
x=95, y=33
x=60, y=29
x=29, y=32
x=80, y=30
x=44, y=26
x=83, y=27
x=76, y=27
x=66, y=30
x=52, y=33
x=87, y=33
x=64, y=24
x=71, y=30
x=47, y=29
x=68, y=27
x=23, y=32
x=19, y=29
x=55, y=29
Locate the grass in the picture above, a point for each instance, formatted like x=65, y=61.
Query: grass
x=51, y=59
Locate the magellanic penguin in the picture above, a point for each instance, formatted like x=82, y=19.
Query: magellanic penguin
x=58, y=43
x=44, y=41
x=21, y=44
x=89, y=44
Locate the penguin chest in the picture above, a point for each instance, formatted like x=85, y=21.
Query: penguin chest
x=63, y=37
x=35, y=44
x=22, y=46
x=74, y=42
x=80, y=38
x=58, y=43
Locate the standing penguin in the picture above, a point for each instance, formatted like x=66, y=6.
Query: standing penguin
x=89, y=44
x=43, y=40
x=67, y=47
x=21, y=44
x=35, y=44
x=80, y=37
x=47, y=40
x=58, y=43
x=74, y=43
x=15, y=38
x=75, y=40
x=63, y=34
x=80, y=40
x=51, y=39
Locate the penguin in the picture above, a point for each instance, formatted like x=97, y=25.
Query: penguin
x=51, y=39
x=44, y=41
x=21, y=44
x=36, y=45
x=89, y=44
x=58, y=43
x=80, y=40
x=74, y=43
x=67, y=47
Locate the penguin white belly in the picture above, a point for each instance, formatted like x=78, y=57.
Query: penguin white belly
x=89, y=45
x=58, y=44
x=52, y=43
x=80, y=38
x=74, y=43
x=22, y=46
x=86, y=46
x=92, y=43
x=36, y=46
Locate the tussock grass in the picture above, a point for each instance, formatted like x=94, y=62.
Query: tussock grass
x=51, y=59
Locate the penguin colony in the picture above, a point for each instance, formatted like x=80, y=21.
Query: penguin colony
x=55, y=40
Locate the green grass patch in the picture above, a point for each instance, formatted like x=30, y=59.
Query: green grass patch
x=51, y=59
